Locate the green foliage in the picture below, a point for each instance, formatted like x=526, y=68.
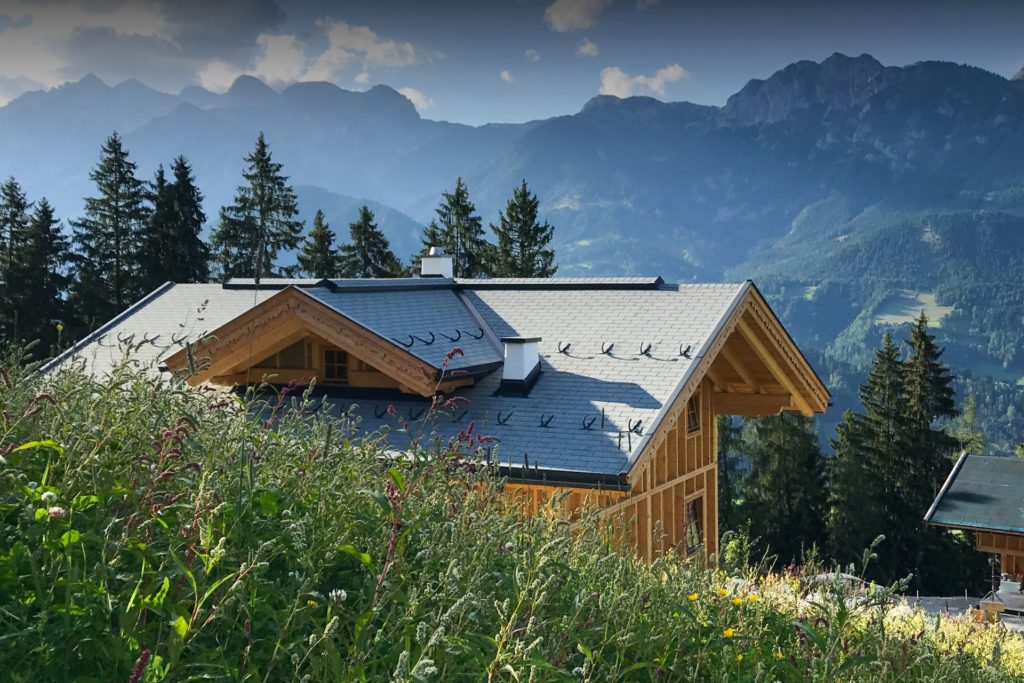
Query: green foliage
x=261, y=221
x=318, y=257
x=172, y=247
x=33, y=301
x=459, y=231
x=784, y=497
x=368, y=253
x=522, y=249
x=729, y=518
x=154, y=532
x=108, y=241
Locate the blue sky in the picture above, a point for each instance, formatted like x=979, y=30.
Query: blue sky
x=488, y=60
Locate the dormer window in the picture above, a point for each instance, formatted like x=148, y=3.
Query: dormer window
x=693, y=415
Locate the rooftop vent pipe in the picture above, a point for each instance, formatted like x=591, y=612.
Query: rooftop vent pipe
x=436, y=263
x=522, y=365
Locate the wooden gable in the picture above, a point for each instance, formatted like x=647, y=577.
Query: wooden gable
x=290, y=316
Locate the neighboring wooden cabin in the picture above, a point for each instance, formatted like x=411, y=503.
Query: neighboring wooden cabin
x=985, y=495
x=606, y=388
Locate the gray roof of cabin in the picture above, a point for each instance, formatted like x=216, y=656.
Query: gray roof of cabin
x=577, y=385
x=982, y=492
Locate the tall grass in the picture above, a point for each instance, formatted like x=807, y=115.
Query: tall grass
x=154, y=532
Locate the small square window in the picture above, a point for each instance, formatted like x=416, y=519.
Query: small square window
x=335, y=366
x=693, y=415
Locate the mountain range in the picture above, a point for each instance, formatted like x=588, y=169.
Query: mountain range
x=855, y=193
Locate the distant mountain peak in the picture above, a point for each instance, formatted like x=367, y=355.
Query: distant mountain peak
x=250, y=89
x=837, y=82
x=1019, y=76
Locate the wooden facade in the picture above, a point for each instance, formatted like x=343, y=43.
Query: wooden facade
x=668, y=495
x=1009, y=548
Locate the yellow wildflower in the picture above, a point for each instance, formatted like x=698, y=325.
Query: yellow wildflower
x=778, y=653
x=312, y=603
x=739, y=658
x=752, y=598
x=693, y=597
x=722, y=592
x=729, y=632
x=737, y=601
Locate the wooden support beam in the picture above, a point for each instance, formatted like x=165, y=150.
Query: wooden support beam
x=770, y=360
x=751, y=405
x=716, y=377
x=740, y=367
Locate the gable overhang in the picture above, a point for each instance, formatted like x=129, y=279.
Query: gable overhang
x=750, y=321
x=293, y=314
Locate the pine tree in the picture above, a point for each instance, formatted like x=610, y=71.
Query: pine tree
x=107, y=239
x=522, y=249
x=874, y=457
x=368, y=253
x=783, y=495
x=172, y=248
x=39, y=266
x=964, y=428
x=14, y=225
x=260, y=223
x=459, y=231
x=318, y=257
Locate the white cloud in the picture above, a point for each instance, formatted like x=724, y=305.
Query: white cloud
x=574, y=15
x=615, y=81
x=363, y=77
x=587, y=48
x=418, y=99
x=507, y=76
x=533, y=55
x=348, y=43
x=282, y=61
x=645, y=4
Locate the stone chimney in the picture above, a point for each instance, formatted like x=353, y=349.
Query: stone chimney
x=436, y=263
x=522, y=365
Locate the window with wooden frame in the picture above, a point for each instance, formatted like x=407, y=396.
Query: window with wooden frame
x=693, y=415
x=335, y=366
x=694, y=525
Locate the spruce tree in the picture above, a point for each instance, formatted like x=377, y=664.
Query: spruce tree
x=522, y=249
x=783, y=495
x=368, y=253
x=459, y=231
x=173, y=249
x=261, y=221
x=14, y=225
x=107, y=239
x=39, y=266
x=729, y=481
x=318, y=257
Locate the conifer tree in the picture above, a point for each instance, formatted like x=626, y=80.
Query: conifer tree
x=522, y=249
x=874, y=457
x=459, y=231
x=173, y=249
x=39, y=266
x=368, y=253
x=318, y=257
x=783, y=494
x=107, y=239
x=14, y=224
x=261, y=221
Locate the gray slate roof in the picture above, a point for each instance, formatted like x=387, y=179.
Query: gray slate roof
x=578, y=383
x=982, y=492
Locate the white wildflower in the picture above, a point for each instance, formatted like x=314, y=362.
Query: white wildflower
x=49, y=497
x=56, y=512
x=337, y=596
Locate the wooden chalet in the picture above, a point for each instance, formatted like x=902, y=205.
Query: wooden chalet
x=985, y=495
x=607, y=388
